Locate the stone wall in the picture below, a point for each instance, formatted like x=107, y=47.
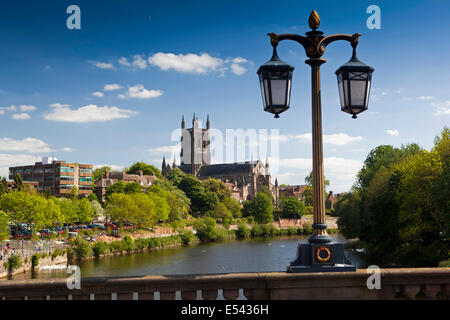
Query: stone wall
x=26, y=266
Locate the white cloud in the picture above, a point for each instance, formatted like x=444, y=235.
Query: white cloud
x=98, y=94
x=59, y=105
x=25, y=108
x=113, y=167
x=138, y=91
x=31, y=145
x=341, y=172
x=165, y=149
x=89, y=113
x=239, y=60
x=11, y=108
x=393, y=132
x=238, y=69
x=2, y=112
x=426, y=98
x=67, y=149
x=337, y=139
x=139, y=62
x=188, y=63
x=21, y=116
x=104, y=65
x=441, y=108
x=11, y=160
x=124, y=61
x=111, y=87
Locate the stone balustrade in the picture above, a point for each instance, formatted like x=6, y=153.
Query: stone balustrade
x=408, y=283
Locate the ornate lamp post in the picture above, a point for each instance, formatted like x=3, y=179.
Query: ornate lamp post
x=354, y=77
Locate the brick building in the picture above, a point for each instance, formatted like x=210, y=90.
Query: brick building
x=108, y=179
x=57, y=177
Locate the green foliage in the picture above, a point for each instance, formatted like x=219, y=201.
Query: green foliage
x=14, y=262
x=202, y=201
x=98, y=172
x=233, y=206
x=444, y=264
x=217, y=187
x=187, y=237
x=348, y=211
x=123, y=187
x=99, y=248
x=400, y=207
x=81, y=248
x=128, y=243
x=263, y=209
x=35, y=260
x=205, y=228
x=243, y=231
x=4, y=226
x=147, y=169
x=292, y=208
x=307, y=228
x=18, y=183
x=57, y=252
x=175, y=176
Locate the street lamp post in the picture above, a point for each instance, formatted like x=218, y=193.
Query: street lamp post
x=354, y=78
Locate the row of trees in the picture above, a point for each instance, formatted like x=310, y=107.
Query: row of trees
x=38, y=211
x=400, y=205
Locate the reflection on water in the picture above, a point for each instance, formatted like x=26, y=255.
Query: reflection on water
x=255, y=255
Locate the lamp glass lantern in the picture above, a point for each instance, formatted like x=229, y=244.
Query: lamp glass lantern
x=275, y=77
x=354, y=79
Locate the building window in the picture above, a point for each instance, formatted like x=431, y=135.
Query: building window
x=66, y=169
x=66, y=178
x=85, y=170
x=86, y=179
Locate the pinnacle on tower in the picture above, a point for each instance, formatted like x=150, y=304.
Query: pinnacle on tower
x=183, y=125
x=207, y=122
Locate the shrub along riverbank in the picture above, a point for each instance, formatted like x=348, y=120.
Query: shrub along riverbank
x=206, y=232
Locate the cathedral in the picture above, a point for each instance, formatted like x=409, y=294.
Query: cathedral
x=244, y=179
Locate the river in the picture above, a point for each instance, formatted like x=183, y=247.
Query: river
x=253, y=255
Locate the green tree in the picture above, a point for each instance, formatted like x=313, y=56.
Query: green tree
x=85, y=211
x=120, y=207
x=202, y=200
x=69, y=210
x=146, y=168
x=98, y=172
x=3, y=186
x=18, y=183
x=263, y=208
x=4, y=226
x=175, y=176
x=144, y=213
x=98, y=209
x=123, y=187
x=234, y=207
x=53, y=214
x=205, y=228
x=292, y=208
x=217, y=187
x=348, y=211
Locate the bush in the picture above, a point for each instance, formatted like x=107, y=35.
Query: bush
x=291, y=231
x=256, y=231
x=444, y=264
x=221, y=234
x=187, y=237
x=14, y=262
x=206, y=229
x=82, y=248
x=116, y=246
x=57, y=252
x=35, y=260
x=99, y=248
x=307, y=229
x=128, y=243
x=154, y=243
x=243, y=231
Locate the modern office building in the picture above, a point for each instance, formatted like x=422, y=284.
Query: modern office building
x=57, y=177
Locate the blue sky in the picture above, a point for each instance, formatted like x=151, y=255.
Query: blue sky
x=113, y=92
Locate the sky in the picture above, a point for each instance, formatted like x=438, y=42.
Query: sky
x=114, y=91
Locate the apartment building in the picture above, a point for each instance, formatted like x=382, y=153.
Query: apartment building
x=57, y=177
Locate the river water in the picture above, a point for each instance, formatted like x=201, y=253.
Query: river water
x=254, y=255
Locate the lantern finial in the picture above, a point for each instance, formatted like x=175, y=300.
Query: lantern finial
x=314, y=20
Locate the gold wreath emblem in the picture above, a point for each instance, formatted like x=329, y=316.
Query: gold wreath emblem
x=323, y=249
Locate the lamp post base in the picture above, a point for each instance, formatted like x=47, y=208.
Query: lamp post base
x=317, y=257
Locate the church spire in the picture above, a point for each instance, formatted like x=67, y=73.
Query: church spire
x=164, y=167
x=207, y=122
x=183, y=124
x=267, y=161
x=174, y=164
